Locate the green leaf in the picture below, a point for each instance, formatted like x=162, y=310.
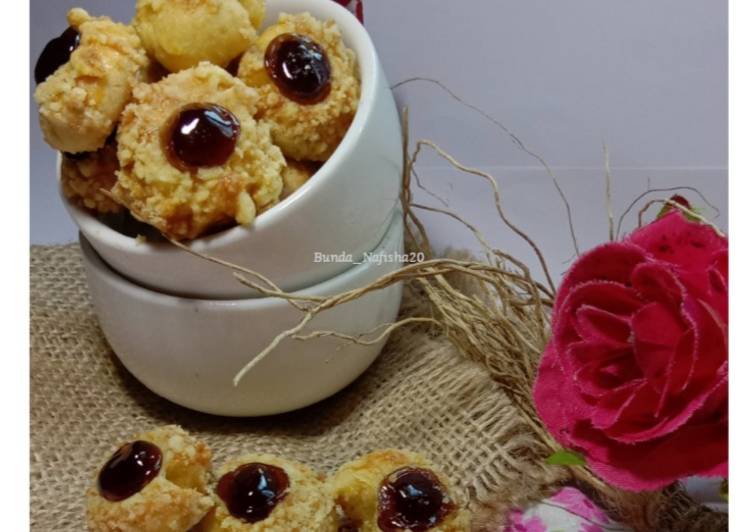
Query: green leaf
x=680, y=200
x=565, y=458
x=724, y=490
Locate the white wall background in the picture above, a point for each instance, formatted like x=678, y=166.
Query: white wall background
x=648, y=77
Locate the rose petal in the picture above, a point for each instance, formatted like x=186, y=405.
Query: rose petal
x=719, y=271
x=605, y=327
x=609, y=262
x=680, y=367
x=655, y=281
x=607, y=371
x=638, y=421
x=656, y=333
x=607, y=296
x=609, y=408
x=550, y=396
x=676, y=240
x=692, y=450
x=710, y=339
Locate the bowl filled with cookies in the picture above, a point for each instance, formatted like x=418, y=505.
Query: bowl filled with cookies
x=263, y=134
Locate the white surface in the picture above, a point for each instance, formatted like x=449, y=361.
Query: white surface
x=189, y=350
x=346, y=207
x=649, y=78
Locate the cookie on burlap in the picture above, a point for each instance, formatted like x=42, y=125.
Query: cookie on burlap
x=80, y=102
x=305, y=130
x=173, y=496
x=397, y=490
x=267, y=493
x=182, y=202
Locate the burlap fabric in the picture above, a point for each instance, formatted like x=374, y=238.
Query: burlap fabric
x=420, y=395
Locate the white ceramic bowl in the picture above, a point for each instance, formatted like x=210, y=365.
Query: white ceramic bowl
x=345, y=207
x=189, y=350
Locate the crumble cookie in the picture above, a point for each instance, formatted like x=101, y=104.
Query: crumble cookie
x=296, y=174
x=182, y=33
x=157, y=482
x=257, y=11
x=308, y=84
x=397, y=490
x=266, y=493
x=86, y=178
x=192, y=157
x=86, y=76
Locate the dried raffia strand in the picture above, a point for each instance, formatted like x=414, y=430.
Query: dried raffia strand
x=431, y=268
x=514, y=138
x=498, y=316
x=271, y=289
x=385, y=331
x=497, y=197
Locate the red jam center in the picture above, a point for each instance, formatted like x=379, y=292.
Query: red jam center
x=299, y=67
x=55, y=54
x=201, y=136
x=412, y=498
x=253, y=490
x=129, y=470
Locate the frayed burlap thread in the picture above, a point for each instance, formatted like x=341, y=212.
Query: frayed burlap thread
x=420, y=394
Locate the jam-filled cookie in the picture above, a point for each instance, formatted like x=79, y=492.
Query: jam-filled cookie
x=154, y=483
x=308, y=84
x=193, y=159
x=87, y=177
x=391, y=490
x=296, y=174
x=266, y=493
x=85, y=78
x=182, y=33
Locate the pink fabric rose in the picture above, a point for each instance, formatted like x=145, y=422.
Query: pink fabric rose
x=635, y=373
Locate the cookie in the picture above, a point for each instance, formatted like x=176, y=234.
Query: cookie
x=193, y=159
x=308, y=84
x=257, y=11
x=182, y=33
x=397, y=490
x=86, y=77
x=266, y=493
x=156, y=482
x=296, y=174
x=87, y=178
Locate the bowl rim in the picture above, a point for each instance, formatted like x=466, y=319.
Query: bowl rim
x=390, y=241
x=367, y=59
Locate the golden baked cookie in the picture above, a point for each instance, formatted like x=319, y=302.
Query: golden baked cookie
x=308, y=84
x=257, y=11
x=155, y=483
x=193, y=159
x=182, y=33
x=82, y=93
x=266, y=493
x=296, y=174
x=397, y=490
x=85, y=179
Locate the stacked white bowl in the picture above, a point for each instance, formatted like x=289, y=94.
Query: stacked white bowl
x=185, y=326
